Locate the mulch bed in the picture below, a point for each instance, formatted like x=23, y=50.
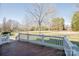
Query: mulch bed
x=28, y=49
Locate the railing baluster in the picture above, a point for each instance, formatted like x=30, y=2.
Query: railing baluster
x=19, y=36
x=58, y=41
x=28, y=36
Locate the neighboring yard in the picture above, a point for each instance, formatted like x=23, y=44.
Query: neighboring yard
x=73, y=36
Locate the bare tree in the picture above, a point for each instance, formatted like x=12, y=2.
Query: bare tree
x=4, y=25
x=41, y=12
x=12, y=25
x=26, y=25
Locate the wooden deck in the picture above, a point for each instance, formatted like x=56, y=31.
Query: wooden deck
x=17, y=48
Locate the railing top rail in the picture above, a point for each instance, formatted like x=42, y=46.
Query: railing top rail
x=42, y=35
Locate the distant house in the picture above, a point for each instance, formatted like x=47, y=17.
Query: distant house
x=68, y=27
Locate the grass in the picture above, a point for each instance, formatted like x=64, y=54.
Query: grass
x=73, y=36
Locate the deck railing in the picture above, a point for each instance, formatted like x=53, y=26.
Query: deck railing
x=59, y=42
x=4, y=39
x=52, y=41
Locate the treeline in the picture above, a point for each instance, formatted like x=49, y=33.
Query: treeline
x=9, y=25
x=13, y=26
x=57, y=24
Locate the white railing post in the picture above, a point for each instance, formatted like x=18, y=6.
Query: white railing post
x=18, y=36
x=42, y=38
x=27, y=37
x=67, y=46
x=8, y=37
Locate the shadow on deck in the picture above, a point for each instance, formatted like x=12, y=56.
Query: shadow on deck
x=18, y=48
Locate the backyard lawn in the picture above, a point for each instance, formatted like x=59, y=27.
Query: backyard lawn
x=73, y=36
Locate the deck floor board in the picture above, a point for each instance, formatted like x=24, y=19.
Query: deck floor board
x=17, y=48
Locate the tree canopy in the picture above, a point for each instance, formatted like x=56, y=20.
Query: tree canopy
x=75, y=21
x=57, y=24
